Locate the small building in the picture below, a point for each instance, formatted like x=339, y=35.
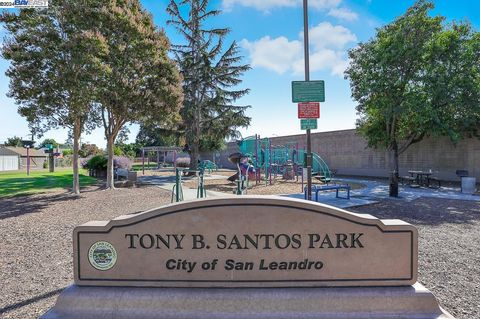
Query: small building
x=37, y=157
x=9, y=160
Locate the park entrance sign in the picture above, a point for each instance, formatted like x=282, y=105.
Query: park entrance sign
x=246, y=243
x=180, y=258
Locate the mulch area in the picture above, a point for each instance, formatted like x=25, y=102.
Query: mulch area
x=36, y=244
x=36, y=241
x=449, y=248
x=279, y=185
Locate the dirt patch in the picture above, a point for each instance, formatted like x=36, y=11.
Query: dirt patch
x=279, y=186
x=36, y=241
x=449, y=249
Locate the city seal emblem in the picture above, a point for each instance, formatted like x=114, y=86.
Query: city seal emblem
x=102, y=255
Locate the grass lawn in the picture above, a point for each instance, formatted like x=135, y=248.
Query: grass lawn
x=18, y=183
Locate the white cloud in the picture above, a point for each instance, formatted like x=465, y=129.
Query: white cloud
x=326, y=35
x=323, y=60
x=323, y=4
x=328, y=46
x=343, y=14
x=273, y=54
x=265, y=5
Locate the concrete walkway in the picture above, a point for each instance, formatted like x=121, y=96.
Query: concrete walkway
x=372, y=193
x=377, y=190
x=167, y=183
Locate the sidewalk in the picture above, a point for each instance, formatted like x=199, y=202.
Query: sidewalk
x=167, y=183
x=376, y=190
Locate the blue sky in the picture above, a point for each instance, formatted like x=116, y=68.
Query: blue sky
x=270, y=35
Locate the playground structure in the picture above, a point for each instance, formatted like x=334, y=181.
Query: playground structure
x=286, y=160
x=245, y=172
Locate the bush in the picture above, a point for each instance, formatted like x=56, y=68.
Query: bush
x=84, y=162
x=98, y=162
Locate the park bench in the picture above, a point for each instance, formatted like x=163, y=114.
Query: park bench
x=319, y=188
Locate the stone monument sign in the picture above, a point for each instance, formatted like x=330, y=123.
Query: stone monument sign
x=279, y=258
x=238, y=243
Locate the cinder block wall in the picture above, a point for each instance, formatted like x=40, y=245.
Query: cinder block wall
x=347, y=153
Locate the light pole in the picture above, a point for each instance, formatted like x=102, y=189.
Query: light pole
x=307, y=78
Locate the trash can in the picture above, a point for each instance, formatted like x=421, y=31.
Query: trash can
x=468, y=185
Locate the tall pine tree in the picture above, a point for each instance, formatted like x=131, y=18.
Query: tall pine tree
x=210, y=77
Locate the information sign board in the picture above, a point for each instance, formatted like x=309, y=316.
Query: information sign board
x=308, y=124
x=308, y=91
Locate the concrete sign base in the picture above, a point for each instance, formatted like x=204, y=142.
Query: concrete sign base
x=254, y=303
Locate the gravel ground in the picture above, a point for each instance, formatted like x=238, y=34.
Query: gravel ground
x=36, y=245
x=449, y=248
x=36, y=241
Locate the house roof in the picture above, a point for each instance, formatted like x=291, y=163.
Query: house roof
x=23, y=151
x=7, y=152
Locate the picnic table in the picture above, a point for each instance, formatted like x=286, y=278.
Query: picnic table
x=422, y=178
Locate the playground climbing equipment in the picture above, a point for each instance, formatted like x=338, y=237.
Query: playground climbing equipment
x=245, y=169
x=286, y=160
x=208, y=166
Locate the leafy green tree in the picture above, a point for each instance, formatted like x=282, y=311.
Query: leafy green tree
x=131, y=150
x=142, y=83
x=14, y=141
x=67, y=152
x=155, y=135
x=54, y=57
x=210, y=76
x=417, y=77
x=89, y=150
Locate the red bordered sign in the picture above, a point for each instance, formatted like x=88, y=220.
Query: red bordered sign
x=309, y=110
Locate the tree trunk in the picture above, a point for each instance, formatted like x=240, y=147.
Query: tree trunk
x=110, y=176
x=194, y=156
x=77, y=131
x=195, y=146
x=394, y=174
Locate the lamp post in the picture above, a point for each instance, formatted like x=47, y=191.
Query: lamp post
x=308, y=158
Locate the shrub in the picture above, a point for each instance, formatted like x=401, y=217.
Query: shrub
x=84, y=162
x=98, y=162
